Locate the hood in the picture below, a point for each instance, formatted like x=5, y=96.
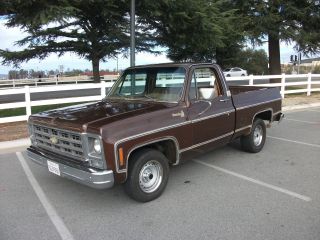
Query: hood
x=93, y=115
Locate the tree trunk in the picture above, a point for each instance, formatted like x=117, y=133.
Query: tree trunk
x=274, y=57
x=95, y=70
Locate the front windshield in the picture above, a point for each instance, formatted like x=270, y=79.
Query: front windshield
x=158, y=84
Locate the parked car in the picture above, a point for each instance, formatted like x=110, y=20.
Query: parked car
x=154, y=116
x=235, y=72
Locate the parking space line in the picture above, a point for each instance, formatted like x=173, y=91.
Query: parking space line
x=296, y=120
x=293, y=141
x=52, y=213
x=318, y=111
x=267, y=185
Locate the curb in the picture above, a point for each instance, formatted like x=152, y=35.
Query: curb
x=15, y=143
x=26, y=141
x=301, y=106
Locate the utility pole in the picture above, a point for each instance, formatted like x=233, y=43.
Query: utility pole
x=117, y=64
x=299, y=61
x=132, y=33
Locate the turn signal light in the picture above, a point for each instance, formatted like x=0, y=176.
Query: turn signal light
x=121, y=158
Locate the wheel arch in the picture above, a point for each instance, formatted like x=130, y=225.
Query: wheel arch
x=265, y=114
x=168, y=145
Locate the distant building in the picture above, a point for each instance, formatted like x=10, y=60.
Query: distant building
x=311, y=62
x=3, y=76
x=104, y=75
x=306, y=66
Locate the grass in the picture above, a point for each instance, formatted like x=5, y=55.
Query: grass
x=22, y=111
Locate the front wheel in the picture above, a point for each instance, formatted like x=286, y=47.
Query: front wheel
x=148, y=175
x=254, y=142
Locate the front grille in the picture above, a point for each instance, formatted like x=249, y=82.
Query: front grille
x=59, y=141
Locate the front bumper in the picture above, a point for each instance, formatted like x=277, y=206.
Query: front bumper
x=96, y=179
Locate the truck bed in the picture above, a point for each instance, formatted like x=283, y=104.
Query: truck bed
x=250, y=101
x=240, y=89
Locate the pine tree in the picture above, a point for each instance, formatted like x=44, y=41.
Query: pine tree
x=292, y=21
x=192, y=30
x=94, y=30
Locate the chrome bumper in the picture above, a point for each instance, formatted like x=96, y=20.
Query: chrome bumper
x=92, y=178
x=279, y=117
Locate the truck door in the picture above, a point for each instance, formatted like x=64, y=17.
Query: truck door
x=211, y=111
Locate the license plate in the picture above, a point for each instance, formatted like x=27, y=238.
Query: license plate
x=53, y=167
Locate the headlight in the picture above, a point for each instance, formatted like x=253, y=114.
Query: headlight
x=97, y=146
x=95, y=154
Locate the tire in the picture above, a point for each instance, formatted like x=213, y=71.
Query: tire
x=254, y=142
x=148, y=175
x=242, y=75
x=228, y=75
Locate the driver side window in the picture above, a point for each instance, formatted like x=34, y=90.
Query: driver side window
x=204, y=85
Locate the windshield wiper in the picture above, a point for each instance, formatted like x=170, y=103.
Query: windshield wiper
x=117, y=96
x=149, y=97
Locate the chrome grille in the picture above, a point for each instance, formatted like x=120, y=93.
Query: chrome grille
x=59, y=141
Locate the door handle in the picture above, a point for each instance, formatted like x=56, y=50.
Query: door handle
x=224, y=100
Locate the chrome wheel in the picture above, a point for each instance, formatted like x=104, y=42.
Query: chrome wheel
x=150, y=176
x=257, y=135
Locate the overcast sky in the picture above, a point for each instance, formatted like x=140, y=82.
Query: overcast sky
x=9, y=35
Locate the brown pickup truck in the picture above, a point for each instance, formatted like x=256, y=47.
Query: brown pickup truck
x=153, y=117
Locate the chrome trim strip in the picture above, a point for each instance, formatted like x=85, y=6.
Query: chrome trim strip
x=147, y=143
x=242, y=128
x=212, y=116
x=171, y=137
x=276, y=113
x=171, y=126
x=256, y=104
x=141, y=135
x=206, y=142
x=105, y=182
x=153, y=131
x=159, y=130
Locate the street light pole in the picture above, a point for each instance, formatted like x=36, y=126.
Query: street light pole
x=132, y=33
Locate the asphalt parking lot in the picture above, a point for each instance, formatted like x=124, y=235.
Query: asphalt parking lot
x=223, y=194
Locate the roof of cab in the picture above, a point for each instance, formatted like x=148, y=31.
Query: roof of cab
x=170, y=64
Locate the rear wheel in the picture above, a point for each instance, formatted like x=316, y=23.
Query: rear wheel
x=254, y=142
x=148, y=175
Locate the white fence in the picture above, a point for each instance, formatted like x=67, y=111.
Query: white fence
x=27, y=103
x=13, y=83
x=303, y=83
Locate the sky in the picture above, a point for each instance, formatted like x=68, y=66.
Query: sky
x=8, y=36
